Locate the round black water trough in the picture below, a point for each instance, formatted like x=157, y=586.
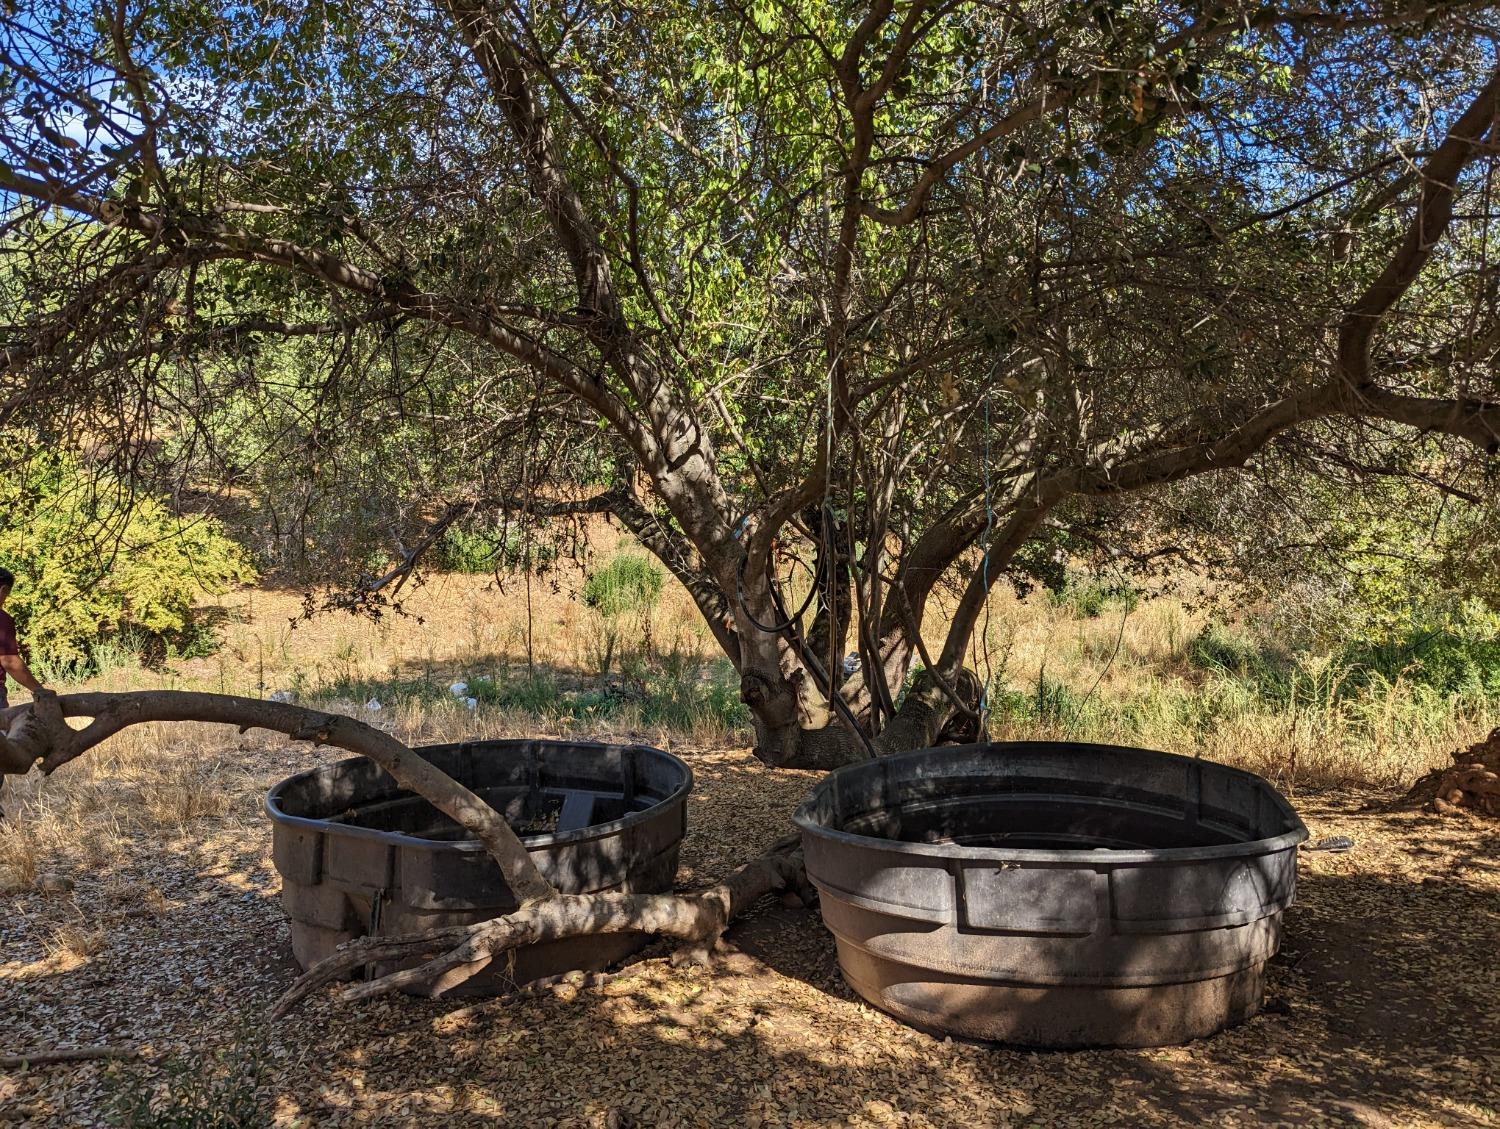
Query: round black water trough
x=1053, y=894
x=359, y=856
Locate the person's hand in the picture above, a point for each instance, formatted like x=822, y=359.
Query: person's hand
x=43, y=692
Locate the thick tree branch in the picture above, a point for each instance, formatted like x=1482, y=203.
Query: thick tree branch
x=39, y=732
x=1466, y=139
x=695, y=919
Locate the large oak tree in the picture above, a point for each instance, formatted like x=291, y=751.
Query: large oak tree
x=899, y=288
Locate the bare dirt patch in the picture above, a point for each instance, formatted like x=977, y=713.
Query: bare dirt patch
x=1381, y=1008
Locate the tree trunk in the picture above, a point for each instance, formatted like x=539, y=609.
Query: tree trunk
x=928, y=713
x=926, y=716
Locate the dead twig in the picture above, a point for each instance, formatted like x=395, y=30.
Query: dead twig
x=65, y=1054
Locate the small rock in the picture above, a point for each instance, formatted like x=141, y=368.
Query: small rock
x=51, y=882
x=373, y=705
x=459, y=689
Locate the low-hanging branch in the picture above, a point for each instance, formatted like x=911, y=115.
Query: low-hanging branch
x=39, y=732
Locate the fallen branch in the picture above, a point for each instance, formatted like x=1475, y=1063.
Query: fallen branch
x=698, y=920
x=65, y=1054
x=39, y=731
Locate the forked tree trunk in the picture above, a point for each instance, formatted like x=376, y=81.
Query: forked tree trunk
x=930, y=712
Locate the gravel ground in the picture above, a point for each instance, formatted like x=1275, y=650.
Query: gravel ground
x=1382, y=1006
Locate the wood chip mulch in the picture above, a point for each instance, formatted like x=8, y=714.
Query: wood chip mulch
x=1382, y=1008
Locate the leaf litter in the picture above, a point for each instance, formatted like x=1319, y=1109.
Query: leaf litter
x=1381, y=1008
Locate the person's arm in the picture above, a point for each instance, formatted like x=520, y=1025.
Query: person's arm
x=15, y=666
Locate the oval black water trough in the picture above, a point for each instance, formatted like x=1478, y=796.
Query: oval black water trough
x=359, y=856
x=1053, y=894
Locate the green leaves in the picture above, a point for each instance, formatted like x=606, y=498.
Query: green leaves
x=94, y=560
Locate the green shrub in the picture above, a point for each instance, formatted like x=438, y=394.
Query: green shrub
x=1218, y=648
x=1049, y=703
x=385, y=690
x=629, y=584
x=533, y=692
x=1450, y=662
x=1088, y=596
x=95, y=564
x=682, y=693
x=486, y=551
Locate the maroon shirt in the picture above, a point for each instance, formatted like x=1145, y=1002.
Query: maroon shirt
x=9, y=644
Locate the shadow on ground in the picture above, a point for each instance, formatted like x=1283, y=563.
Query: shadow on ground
x=1380, y=1009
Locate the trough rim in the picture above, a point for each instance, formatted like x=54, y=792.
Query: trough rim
x=1097, y=858
x=272, y=803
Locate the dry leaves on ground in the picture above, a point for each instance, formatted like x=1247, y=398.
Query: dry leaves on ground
x=171, y=939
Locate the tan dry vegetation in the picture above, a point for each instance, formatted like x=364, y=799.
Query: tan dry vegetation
x=1130, y=671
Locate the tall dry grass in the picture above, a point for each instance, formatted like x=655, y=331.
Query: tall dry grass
x=545, y=663
x=153, y=780
x=1127, y=675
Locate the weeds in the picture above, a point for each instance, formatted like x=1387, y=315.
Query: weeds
x=1359, y=715
x=203, y=1090
x=1089, y=596
x=629, y=585
x=622, y=595
x=1161, y=676
x=676, y=691
x=76, y=941
x=19, y=855
x=176, y=801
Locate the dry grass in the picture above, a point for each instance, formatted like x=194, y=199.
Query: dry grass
x=1118, y=676
x=172, y=936
x=74, y=943
x=1127, y=678
x=141, y=900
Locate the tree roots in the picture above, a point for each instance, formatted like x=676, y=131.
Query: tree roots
x=454, y=955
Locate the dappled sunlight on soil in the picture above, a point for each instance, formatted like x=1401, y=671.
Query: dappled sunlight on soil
x=172, y=938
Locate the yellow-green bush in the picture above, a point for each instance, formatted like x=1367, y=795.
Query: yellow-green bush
x=94, y=562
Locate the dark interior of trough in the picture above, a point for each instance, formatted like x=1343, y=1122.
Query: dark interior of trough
x=1058, y=797
x=1075, y=823
x=539, y=789
x=531, y=812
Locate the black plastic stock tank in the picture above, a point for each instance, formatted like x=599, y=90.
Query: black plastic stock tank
x=1053, y=894
x=359, y=856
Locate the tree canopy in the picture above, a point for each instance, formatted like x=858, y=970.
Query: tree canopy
x=905, y=290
